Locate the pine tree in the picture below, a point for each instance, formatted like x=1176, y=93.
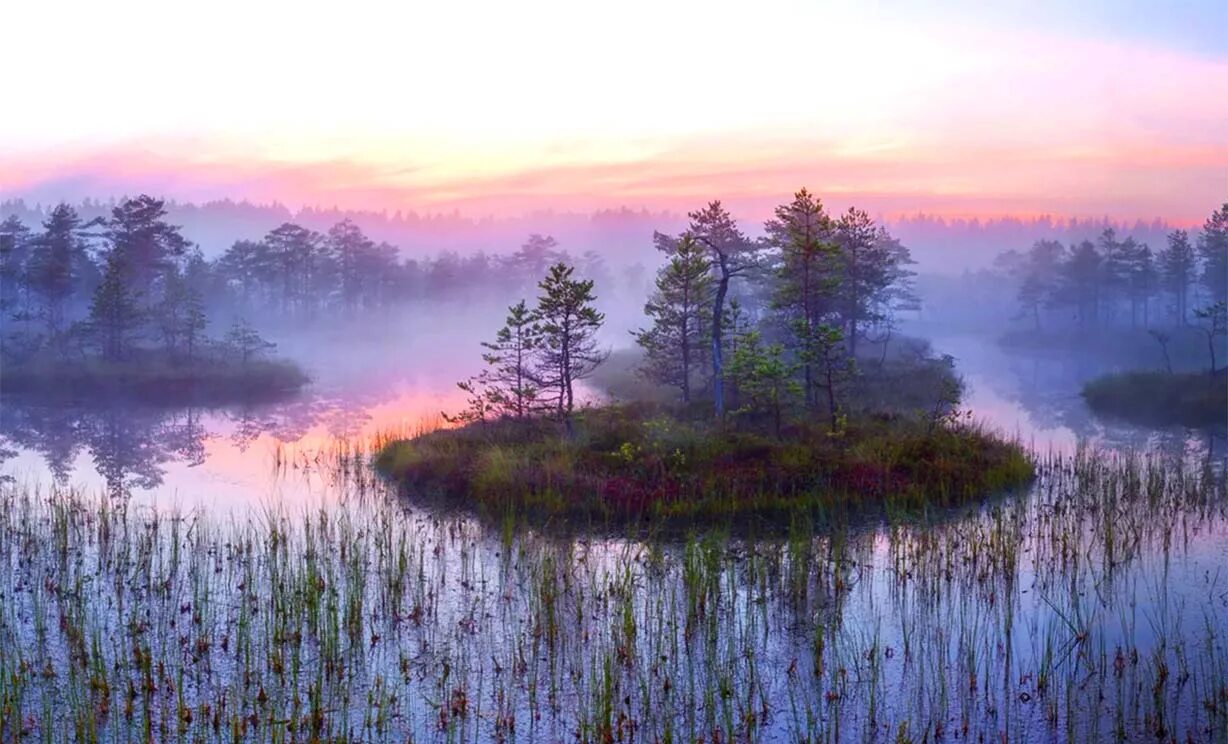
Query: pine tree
x=1114, y=277
x=180, y=316
x=765, y=379
x=825, y=349
x=733, y=255
x=115, y=311
x=1081, y=284
x=242, y=265
x=568, y=323
x=290, y=265
x=1213, y=322
x=245, y=342
x=1177, y=266
x=1041, y=269
x=350, y=248
x=872, y=275
x=57, y=264
x=146, y=245
x=1142, y=279
x=680, y=309
x=1213, y=249
x=534, y=259
x=806, y=278
x=14, y=251
x=510, y=386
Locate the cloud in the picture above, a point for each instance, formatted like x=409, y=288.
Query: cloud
x=543, y=105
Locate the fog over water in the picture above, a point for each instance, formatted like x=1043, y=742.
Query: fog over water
x=1029, y=614
x=397, y=371
x=786, y=372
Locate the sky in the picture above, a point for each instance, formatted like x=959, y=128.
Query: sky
x=1095, y=108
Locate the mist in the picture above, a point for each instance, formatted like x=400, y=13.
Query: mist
x=387, y=349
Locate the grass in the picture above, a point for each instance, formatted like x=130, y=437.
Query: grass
x=645, y=463
x=152, y=378
x=1161, y=399
x=1082, y=610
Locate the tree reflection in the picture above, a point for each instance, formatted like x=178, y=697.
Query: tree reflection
x=1049, y=390
x=131, y=444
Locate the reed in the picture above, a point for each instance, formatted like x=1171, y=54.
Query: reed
x=1088, y=607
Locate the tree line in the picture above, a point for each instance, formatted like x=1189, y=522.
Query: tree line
x=130, y=280
x=750, y=326
x=113, y=287
x=1116, y=282
x=299, y=272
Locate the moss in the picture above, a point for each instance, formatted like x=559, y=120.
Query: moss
x=636, y=463
x=1161, y=399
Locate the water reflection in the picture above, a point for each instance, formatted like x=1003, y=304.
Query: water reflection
x=1037, y=397
x=199, y=453
x=213, y=454
x=128, y=445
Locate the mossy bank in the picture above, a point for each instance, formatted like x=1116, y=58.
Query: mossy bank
x=643, y=463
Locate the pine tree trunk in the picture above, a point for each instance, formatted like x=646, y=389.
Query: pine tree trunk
x=686, y=364
x=718, y=362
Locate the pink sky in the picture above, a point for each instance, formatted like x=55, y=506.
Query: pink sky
x=544, y=105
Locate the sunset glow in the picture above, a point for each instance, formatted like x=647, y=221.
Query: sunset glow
x=509, y=108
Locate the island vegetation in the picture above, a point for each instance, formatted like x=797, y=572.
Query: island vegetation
x=768, y=386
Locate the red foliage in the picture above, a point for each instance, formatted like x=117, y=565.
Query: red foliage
x=630, y=496
x=868, y=478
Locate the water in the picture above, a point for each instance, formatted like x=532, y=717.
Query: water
x=225, y=458
x=1092, y=606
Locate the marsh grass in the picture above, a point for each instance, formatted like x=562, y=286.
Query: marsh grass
x=1089, y=608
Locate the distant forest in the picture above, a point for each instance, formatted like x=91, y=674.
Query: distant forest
x=623, y=236
x=129, y=282
x=1117, y=280
x=122, y=276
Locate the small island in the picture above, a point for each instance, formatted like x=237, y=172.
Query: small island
x=1191, y=399
x=715, y=417
x=643, y=463
x=1194, y=399
x=115, y=307
x=152, y=378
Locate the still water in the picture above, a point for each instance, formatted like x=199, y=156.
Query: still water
x=225, y=457
x=1092, y=606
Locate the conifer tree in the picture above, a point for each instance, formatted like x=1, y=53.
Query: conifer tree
x=115, y=312
x=568, y=323
x=510, y=385
x=765, y=379
x=245, y=342
x=57, y=264
x=1178, y=266
x=680, y=309
x=733, y=255
x=806, y=278
x=1213, y=249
